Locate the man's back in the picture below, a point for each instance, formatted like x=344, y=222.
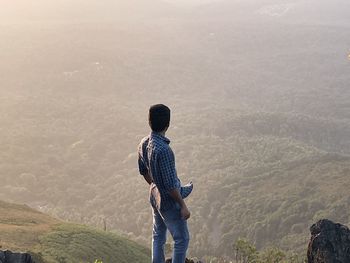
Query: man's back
x=156, y=156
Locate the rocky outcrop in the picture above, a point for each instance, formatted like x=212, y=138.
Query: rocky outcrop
x=9, y=257
x=329, y=243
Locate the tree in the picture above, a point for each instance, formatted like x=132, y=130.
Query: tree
x=272, y=255
x=245, y=252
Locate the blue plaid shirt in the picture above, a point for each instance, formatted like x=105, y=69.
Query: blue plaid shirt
x=156, y=158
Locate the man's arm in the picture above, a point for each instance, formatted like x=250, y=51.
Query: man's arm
x=148, y=178
x=142, y=167
x=175, y=194
x=168, y=171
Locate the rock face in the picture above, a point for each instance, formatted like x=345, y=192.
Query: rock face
x=329, y=243
x=9, y=257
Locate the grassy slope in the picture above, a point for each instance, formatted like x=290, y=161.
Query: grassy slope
x=24, y=229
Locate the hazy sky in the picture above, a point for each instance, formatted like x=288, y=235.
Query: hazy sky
x=323, y=10
x=191, y=2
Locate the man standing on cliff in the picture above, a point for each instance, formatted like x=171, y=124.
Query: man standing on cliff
x=156, y=163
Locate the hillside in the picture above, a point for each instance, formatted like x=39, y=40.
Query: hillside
x=260, y=101
x=261, y=176
x=50, y=240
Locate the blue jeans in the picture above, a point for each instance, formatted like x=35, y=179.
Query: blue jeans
x=171, y=220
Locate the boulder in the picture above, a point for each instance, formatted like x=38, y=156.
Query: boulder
x=9, y=257
x=329, y=243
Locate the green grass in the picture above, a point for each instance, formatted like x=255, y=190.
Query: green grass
x=76, y=243
x=50, y=240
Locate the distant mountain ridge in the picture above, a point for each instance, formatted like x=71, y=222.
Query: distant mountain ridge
x=300, y=12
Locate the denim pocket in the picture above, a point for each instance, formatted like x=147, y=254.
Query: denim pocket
x=172, y=214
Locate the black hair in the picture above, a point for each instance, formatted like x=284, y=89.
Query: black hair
x=159, y=117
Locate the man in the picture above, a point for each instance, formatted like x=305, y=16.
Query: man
x=156, y=163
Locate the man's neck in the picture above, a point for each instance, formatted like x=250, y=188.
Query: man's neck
x=161, y=133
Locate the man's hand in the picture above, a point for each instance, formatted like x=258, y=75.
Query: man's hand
x=185, y=213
